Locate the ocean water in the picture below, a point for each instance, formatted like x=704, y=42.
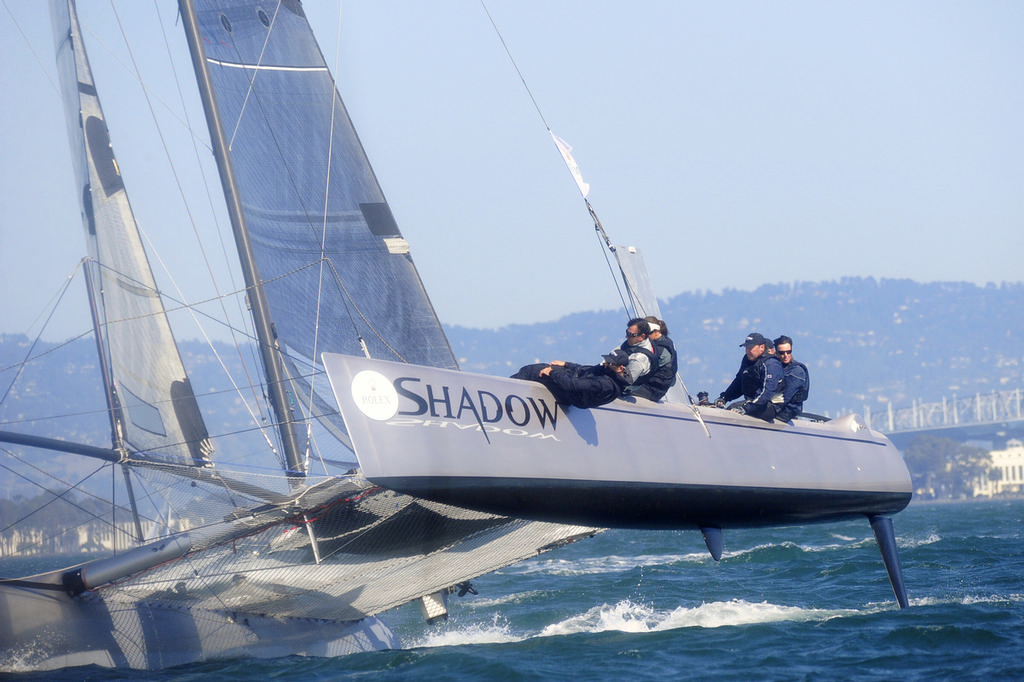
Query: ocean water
x=805, y=603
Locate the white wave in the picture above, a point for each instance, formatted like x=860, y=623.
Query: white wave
x=991, y=599
x=744, y=551
x=453, y=634
x=601, y=564
x=627, y=616
x=844, y=544
x=968, y=599
x=909, y=543
x=513, y=598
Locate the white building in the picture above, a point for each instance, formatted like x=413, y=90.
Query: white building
x=1009, y=464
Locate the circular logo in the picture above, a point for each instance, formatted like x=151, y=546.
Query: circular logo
x=374, y=395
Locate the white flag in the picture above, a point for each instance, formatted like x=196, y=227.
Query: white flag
x=566, y=151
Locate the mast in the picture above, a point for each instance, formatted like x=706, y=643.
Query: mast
x=266, y=336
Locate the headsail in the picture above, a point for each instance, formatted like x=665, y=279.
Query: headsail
x=151, y=396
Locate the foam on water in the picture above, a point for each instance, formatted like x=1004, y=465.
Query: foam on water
x=513, y=598
x=497, y=631
x=909, y=543
x=627, y=616
x=603, y=564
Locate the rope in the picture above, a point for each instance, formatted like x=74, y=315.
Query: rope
x=598, y=228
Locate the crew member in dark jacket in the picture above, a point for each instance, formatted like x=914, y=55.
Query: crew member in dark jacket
x=796, y=384
x=582, y=385
x=662, y=376
x=758, y=380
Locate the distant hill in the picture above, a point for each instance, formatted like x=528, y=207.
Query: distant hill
x=865, y=341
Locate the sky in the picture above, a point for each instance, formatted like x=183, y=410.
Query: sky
x=735, y=144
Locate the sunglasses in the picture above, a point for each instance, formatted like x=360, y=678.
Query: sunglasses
x=784, y=352
x=633, y=336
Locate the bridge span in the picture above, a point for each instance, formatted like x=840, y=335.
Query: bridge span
x=993, y=417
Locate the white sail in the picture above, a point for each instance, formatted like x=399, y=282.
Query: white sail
x=241, y=553
x=152, y=398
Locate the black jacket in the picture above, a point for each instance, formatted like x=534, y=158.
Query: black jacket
x=583, y=385
x=663, y=369
x=795, y=388
x=757, y=381
x=578, y=385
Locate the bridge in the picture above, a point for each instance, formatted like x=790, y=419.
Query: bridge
x=991, y=417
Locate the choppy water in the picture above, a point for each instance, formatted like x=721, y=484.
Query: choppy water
x=802, y=603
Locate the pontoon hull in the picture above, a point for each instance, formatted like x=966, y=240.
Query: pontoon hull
x=46, y=630
x=505, y=446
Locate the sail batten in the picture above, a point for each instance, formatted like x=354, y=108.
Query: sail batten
x=264, y=67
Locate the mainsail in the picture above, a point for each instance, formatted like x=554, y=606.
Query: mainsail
x=336, y=270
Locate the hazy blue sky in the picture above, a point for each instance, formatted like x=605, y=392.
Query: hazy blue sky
x=735, y=144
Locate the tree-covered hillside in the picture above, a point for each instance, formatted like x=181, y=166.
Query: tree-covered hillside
x=865, y=341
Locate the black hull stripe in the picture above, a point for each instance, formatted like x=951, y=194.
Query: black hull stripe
x=655, y=506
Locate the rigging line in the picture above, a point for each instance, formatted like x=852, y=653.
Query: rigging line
x=66, y=415
x=348, y=299
x=57, y=496
x=51, y=305
x=55, y=299
x=252, y=79
x=262, y=416
x=597, y=223
x=94, y=37
x=615, y=278
x=323, y=230
x=28, y=43
x=514, y=65
x=182, y=305
x=190, y=307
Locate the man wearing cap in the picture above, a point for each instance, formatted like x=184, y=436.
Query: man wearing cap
x=582, y=385
x=758, y=379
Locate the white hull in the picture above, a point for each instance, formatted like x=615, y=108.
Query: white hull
x=505, y=446
x=46, y=630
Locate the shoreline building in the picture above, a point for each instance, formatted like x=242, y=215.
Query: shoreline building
x=1009, y=463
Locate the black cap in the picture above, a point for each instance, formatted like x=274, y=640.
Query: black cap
x=754, y=339
x=616, y=357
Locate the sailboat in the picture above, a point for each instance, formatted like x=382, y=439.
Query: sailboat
x=388, y=476
x=225, y=549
